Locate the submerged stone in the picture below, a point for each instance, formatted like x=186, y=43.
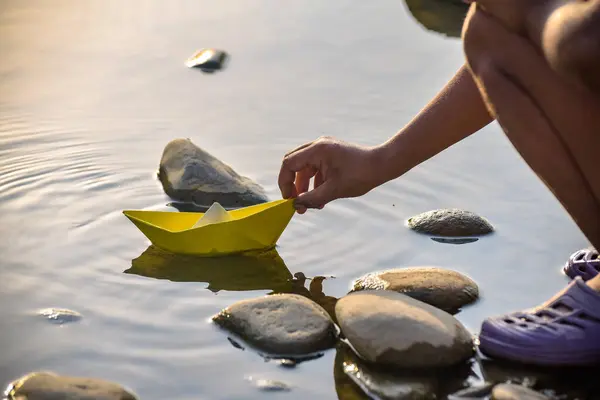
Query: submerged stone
x=390, y=328
x=208, y=60
x=450, y=222
x=284, y=324
x=50, y=386
x=60, y=315
x=474, y=392
x=190, y=174
x=508, y=391
x=442, y=288
x=269, y=385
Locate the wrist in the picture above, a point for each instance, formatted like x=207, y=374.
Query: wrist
x=386, y=162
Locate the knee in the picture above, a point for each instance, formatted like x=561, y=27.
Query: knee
x=478, y=47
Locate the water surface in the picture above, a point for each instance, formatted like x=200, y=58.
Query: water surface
x=91, y=92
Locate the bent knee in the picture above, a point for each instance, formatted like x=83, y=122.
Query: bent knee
x=477, y=46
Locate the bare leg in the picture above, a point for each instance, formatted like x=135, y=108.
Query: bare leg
x=554, y=126
x=556, y=129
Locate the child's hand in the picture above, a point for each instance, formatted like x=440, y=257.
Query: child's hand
x=339, y=169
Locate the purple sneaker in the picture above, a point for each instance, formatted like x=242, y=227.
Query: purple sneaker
x=584, y=263
x=564, y=331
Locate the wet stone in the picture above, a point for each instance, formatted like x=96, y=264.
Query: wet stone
x=450, y=222
x=207, y=60
x=60, y=315
x=269, y=385
x=442, y=288
x=390, y=328
x=50, y=386
x=190, y=174
x=507, y=391
x=283, y=324
x=474, y=392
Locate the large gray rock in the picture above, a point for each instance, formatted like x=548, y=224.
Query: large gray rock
x=450, y=222
x=284, y=324
x=442, y=288
x=50, y=386
x=190, y=174
x=386, y=327
x=507, y=391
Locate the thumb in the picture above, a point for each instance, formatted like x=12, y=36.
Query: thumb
x=317, y=197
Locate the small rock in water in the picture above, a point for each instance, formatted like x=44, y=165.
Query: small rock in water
x=442, y=288
x=268, y=385
x=49, y=386
x=190, y=174
x=450, y=222
x=474, y=392
x=60, y=315
x=287, y=363
x=208, y=60
x=508, y=391
x=284, y=324
x=390, y=328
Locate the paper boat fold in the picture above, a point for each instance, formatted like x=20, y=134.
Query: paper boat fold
x=250, y=228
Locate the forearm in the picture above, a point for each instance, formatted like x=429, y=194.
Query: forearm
x=455, y=113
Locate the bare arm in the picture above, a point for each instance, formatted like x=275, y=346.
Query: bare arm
x=454, y=114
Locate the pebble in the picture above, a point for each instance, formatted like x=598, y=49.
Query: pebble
x=284, y=324
x=450, y=222
x=269, y=385
x=60, y=316
x=442, y=288
x=50, y=386
x=389, y=328
x=508, y=391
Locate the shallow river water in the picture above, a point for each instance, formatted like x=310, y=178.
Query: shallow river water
x=92, y=91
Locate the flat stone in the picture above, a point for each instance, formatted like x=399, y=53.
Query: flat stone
x=269, y=385
x=442, y=288
x=60, y=315
x=390, y=328
x=284, y=324
x=190, y=174
x=207, y=60
x=450, y=222
x=507, y=391
x=473, y=392
x=50, y=386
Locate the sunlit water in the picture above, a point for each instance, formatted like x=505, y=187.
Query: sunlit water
x=90, y=93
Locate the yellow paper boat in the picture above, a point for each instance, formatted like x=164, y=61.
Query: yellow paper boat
x=251, y=228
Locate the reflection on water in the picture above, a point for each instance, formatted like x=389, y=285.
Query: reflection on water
x=353, y=377
x=442, y=16
x=569, y=382
x=253, y=271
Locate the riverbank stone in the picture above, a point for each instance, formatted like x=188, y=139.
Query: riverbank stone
x=191, y=174
x=450, y=222
x=284, y=324
x=49, y=386
x=389, y=328
x=60, y=316
x=442, y=288
x=508, y=391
